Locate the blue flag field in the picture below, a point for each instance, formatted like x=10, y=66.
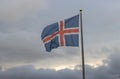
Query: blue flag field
x=62, y=33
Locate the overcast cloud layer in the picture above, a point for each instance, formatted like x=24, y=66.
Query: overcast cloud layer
x=110, y=70
x=22, y=51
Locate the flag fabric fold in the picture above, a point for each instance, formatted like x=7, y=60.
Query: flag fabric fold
x=63, y=33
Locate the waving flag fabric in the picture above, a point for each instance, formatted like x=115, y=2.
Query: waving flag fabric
x=63, y=33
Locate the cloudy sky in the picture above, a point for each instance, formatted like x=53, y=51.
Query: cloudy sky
x=22, y=53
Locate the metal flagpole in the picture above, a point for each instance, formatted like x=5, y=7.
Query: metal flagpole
x=82, y=46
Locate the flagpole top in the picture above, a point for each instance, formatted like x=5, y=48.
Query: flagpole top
x=80, y=10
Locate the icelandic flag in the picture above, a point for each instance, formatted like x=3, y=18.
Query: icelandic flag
x=63, y=33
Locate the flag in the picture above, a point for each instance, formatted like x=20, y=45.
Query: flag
x=62, y=33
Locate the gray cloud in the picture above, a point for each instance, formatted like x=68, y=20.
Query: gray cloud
x=29, y=72
x=21, y=22
x=26, y=47
x=109, y=71
x=15, y=10
x=21, y=15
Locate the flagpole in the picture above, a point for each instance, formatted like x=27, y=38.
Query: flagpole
x=82, y=46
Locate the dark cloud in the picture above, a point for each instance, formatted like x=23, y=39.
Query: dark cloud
x=109, y=71
x=29, y=72
x=21, y=22
x=114, y=63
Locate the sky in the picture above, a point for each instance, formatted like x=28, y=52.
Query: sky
x=22, y=53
